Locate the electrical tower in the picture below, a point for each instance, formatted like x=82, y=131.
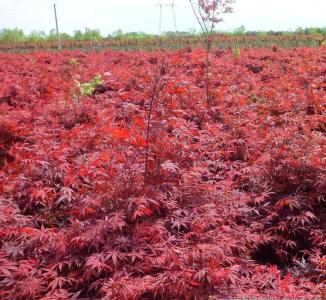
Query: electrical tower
x=172, y=5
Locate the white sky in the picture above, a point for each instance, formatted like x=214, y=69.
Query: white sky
x=142, y=15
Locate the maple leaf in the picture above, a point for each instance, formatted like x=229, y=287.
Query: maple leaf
x=196, y=283
x=61, y=245
x=141, y=212
x=7, y=268
x=201, y=275
x=179, y=224
x=114, y=256
x=67, y=195
x=170, y=166
x=122, y=134
x=28, y=230
x=139, y=141
x=136, y=255
x=57, y=282
x=95, y=264
x=139, y=122
x=40, y=194
x=117, y=221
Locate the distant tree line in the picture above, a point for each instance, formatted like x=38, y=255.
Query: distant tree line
x=18, y=35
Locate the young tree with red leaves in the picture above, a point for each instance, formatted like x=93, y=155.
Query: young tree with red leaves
x=208, y=14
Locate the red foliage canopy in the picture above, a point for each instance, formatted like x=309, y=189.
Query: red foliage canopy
x=235, y=201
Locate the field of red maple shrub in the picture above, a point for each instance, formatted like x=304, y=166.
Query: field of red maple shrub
x=232, y=202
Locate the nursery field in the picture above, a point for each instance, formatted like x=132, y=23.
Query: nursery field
x=120, y=180
x=169, y=42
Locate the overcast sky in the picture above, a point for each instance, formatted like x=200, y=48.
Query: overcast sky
x=143, y=15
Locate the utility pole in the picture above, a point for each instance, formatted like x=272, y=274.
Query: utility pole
x=174, y=17
x=160, y=20
x=57, y=27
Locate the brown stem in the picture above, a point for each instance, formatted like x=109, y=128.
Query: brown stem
x=208, y=48
x=148, y=129
x=149, y=116
x=202, y=26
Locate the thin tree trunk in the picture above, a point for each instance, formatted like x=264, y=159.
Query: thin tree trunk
x=148, y=130
x=208, y=96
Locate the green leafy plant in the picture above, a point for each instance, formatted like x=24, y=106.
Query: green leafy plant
x=237, y=52
x=88, y=88
x=73, y=62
